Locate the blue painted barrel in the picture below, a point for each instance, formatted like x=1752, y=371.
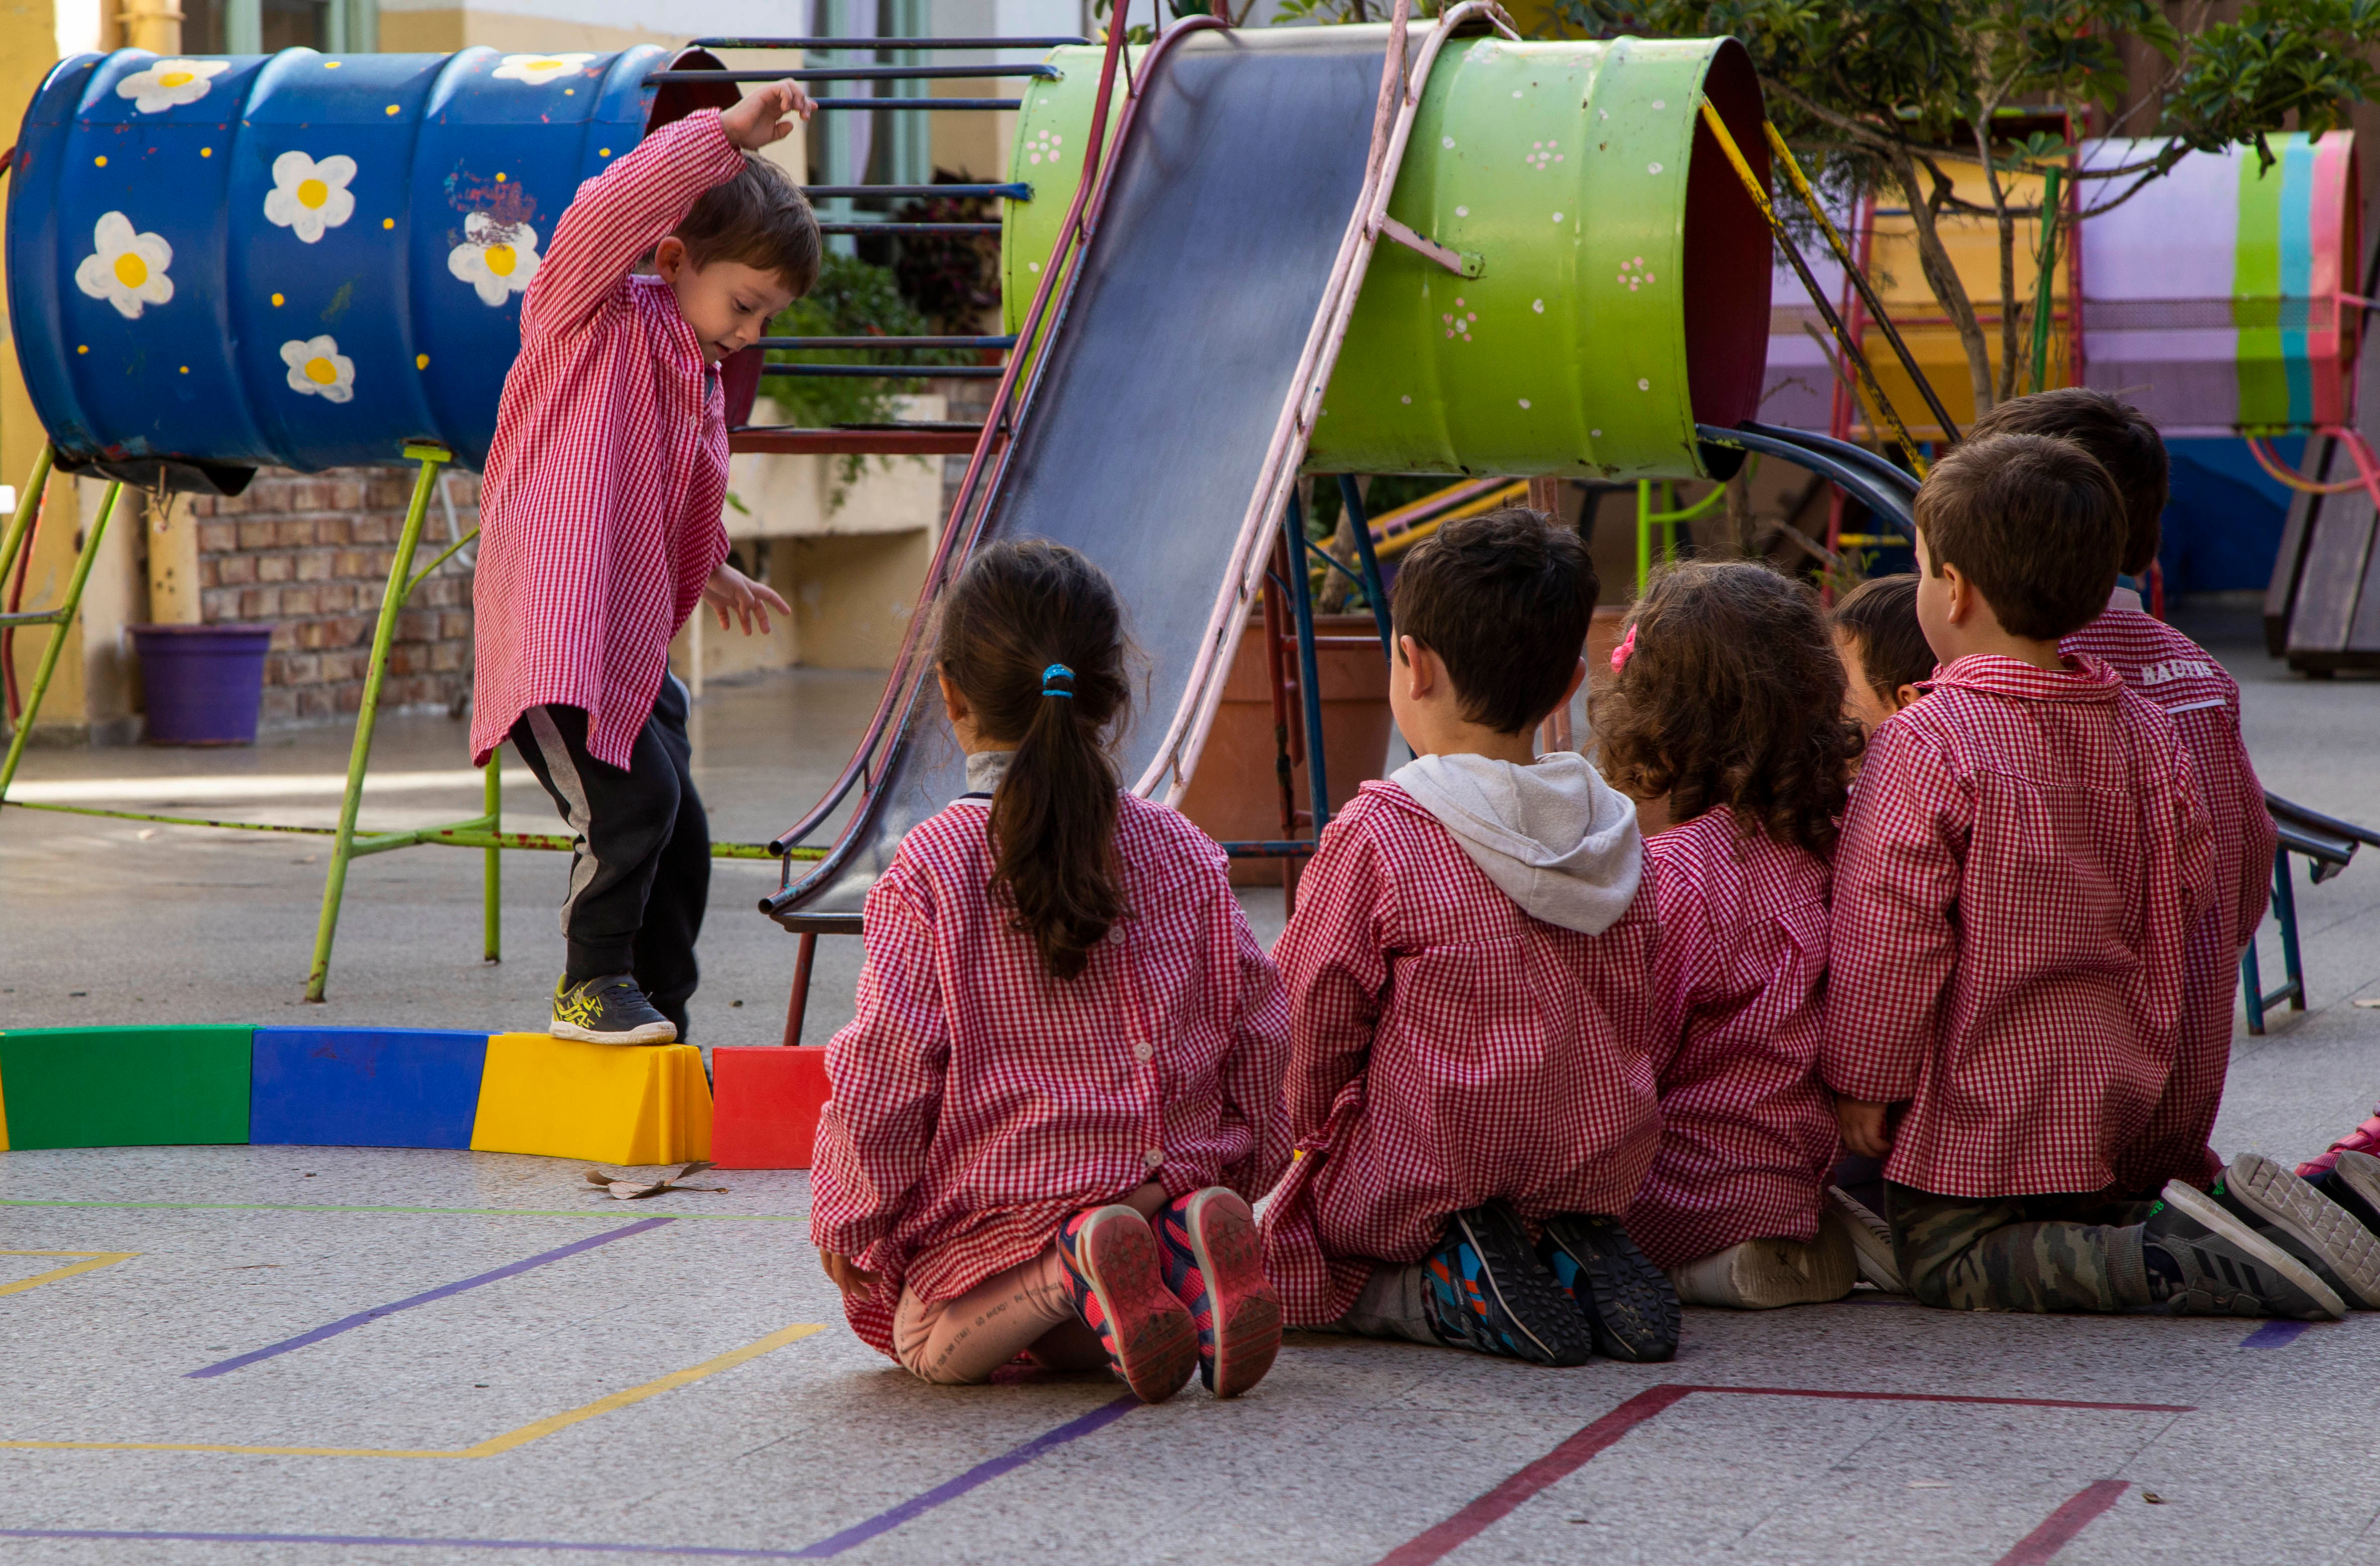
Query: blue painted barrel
x=296, y=259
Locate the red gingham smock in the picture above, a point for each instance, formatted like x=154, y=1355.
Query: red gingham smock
x=2176, y=673
x=2020, y=870
x=1748, y=1130
x=977, y=1102
x=599, y=513
x=1446, y=1047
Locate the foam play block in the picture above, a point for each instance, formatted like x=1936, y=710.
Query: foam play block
x=766, y=1112
x=613, y=1104
x=125, y=1088
x=365, y=1087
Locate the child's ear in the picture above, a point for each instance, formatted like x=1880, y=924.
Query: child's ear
x=1907, y=695
x=669, y=257
x=953, y=704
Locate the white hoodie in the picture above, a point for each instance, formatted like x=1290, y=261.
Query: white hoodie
x=1555, y=838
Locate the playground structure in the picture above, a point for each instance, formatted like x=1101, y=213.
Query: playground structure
x=1645, y=163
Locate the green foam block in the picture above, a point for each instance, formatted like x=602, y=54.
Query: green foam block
x=124, y=1087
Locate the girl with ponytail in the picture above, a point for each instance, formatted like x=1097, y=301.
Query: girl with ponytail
x=1061, y=1087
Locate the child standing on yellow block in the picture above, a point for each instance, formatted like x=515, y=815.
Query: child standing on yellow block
x=600, y=532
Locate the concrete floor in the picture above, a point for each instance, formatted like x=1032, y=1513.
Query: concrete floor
x=656, y=1393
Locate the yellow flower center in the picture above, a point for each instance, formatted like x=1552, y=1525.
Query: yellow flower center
x=130, y=270
x=547, y=64
x=177, y=79
x=322, y=372
x=501, y=259
x=312, y=192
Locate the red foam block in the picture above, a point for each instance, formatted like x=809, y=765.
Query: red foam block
x=765, y=1104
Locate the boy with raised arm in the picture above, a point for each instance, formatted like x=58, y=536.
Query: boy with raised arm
x=600, y=532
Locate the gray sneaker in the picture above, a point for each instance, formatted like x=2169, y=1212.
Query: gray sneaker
x=2204, y=1261
x=2305, y=1223
x=610, y=1009
x=1871, y=1241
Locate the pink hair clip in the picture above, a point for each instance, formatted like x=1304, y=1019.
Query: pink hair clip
x=1619, y=654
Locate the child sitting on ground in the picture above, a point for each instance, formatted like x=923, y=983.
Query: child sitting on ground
x=1885, y=658
x=1728, y=703
x=2169, y=669
x=1063, y=1084
x=599, y=532
x=1469, y=1017
x=2021, y=866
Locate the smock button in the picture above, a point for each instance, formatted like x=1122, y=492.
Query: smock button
x=1115, y=932
x=1142, y=1051
x=1154, y=1156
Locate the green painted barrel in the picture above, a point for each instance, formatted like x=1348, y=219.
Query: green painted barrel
x=1620, y=285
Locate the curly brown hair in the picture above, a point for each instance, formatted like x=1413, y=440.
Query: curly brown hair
x=1732, y=695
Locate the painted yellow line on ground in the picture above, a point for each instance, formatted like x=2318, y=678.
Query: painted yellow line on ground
x=489, y=1448
x=92, y=1261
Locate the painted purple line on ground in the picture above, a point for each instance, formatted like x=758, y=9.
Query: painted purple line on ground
x=349, y=1323
x=2080, y=1511
x=358, y=1541
x=982, y=1473
x=2274, y=1334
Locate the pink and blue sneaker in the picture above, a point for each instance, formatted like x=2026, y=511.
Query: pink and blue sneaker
x=1214, y=1263
x=1112, y=1258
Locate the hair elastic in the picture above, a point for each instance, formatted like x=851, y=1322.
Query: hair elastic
x=1056, y=672
x=1619, y=654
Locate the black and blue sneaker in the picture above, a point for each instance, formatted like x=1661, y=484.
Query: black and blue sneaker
x=1628, y=1302
x=1486, y=1289
x=610, y=1009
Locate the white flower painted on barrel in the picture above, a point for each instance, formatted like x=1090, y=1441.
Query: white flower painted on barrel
x=496, y=259
x=308, y=197
x=126, y=268
x=538, y=71
x=316, y=368
x=170, y=82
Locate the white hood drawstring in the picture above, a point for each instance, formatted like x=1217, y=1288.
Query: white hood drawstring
x=1555, y=838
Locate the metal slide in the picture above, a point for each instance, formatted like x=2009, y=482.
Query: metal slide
x=1165, y=424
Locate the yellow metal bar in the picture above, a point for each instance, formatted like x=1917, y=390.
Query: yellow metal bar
x=1859, y=280
x=1777, y=225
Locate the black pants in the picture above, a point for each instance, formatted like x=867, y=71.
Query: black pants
x=640, y=872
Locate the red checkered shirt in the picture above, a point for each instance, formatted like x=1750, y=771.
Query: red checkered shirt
x=599, y=518
x=1446, y=1049
x=2019, y=871
x=1748, y=1130
x=977, y=1101
x=2176, y=673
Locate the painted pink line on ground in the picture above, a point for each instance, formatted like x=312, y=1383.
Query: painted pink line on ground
x=2080, y=1511
x=1560, y=1464
x=1574, y=1453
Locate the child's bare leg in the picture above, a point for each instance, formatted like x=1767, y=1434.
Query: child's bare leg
x=1030, y=1307
x=958, y=1343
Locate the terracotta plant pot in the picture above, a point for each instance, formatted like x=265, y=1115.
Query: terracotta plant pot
x=1234, y=795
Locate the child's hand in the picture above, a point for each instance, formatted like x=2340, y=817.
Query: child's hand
x=730, y=591
x=851, y=1279
x=1864, y=1126
x=761, y=117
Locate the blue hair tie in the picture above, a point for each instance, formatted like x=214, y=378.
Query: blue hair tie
x=1056, y=672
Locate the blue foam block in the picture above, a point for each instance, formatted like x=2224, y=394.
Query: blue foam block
x=365, y=1087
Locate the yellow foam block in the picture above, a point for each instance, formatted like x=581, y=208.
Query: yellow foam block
x=613, y=1104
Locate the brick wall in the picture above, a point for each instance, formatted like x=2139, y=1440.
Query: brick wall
x=310, y=553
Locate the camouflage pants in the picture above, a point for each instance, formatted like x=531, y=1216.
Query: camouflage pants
x=2054, y=1252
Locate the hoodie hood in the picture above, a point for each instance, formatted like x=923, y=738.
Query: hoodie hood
x=1555, y=838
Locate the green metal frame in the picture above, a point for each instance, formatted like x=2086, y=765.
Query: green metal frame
x=1646, y=517
x=482, y=831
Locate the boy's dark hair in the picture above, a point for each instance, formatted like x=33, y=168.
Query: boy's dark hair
x=1880, y=618
x=2034, y=523
x=2115, y=432
x=1018, y=616
x=1732, y=695
x=760, y=218
x=1504, y=599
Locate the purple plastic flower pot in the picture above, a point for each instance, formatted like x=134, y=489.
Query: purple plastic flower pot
x=205, y=682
